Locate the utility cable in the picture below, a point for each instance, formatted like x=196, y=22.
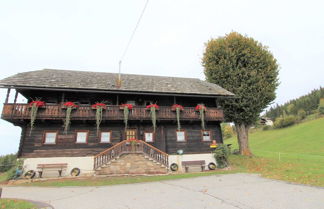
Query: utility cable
x=131, y=38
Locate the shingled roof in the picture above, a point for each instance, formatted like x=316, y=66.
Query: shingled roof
x=68, y=79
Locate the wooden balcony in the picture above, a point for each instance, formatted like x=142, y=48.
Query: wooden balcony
x=12, y=112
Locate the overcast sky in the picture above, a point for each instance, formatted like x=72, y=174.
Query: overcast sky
x=91, y=35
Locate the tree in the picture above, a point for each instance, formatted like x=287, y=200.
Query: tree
x=248, y=69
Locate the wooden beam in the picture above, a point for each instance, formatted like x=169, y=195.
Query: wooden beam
x=8, y=94
x=16, y=96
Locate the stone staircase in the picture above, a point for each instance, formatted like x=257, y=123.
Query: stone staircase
x=131, y=157
x=132, y=163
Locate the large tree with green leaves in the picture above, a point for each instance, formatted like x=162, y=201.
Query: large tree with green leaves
x=245, y=67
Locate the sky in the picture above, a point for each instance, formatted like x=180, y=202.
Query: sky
x=170, y=40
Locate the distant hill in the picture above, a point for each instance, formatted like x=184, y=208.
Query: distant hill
x=308, y=103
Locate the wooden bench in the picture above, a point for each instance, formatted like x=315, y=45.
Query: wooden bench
x=200, y=163
x=54, y=166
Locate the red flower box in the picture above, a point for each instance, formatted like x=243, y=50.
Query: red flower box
x=70, y=104
x=152, y=105
x=38, y=103
x=129, y=106
x=200, y=107
x=99, y=105
x=175, y=106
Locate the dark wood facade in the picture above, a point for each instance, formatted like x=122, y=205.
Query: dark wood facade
x=164, y=138
x=51, y=118
x=55, y=87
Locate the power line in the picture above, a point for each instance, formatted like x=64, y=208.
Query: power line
x=131, y=37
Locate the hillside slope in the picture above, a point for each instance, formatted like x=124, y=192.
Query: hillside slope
x=304, y=138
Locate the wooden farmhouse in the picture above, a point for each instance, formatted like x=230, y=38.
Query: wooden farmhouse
x=96, y=123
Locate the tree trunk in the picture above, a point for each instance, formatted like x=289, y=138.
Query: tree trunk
x=243, y=139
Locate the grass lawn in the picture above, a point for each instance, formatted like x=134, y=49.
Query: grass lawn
x=16, y=204
x=102, y=181
x=294, y=154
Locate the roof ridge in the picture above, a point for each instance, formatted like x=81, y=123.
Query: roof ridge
x=87, y=71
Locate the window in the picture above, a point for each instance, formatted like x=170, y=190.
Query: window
x=50, y=137
x=82, y=137
x=181, y=136
x=148, y=136
x=206, y=136
x=105, y=137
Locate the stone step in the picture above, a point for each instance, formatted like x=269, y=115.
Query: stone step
x=132, y=164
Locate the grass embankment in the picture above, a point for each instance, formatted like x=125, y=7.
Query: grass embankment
x=16, y=204
x=104, y=181
x=294, y=154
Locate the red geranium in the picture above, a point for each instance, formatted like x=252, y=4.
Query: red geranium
x=99, y=105
x=38, y=103
x=152, y=105
x=200, y=107
x=175, y=106
x=70, y=104
x=132, y=139
x=129, y=106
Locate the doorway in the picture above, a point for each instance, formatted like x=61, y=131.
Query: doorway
x=131, y=134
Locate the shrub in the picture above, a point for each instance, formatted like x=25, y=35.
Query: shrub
x=227, y=131
x=7, y=162
x=321, y=106
x=221, y=154
x=283, y=122
x=267, y=127
x=301, y=114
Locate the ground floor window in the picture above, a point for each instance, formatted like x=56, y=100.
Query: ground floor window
x=50, y=137
x=82, y=137
x=105, y=137
x=206, y=135
x=149, y=136
x=181, y=136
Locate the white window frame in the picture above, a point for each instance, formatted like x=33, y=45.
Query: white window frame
x=203, y=137
x=46, y=137
x=146, y=138
x=183, y=138
x=77, y=140
x=109, y=136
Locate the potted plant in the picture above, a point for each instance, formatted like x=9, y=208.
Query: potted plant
x=34, y=105
x=69, y=106
x=177, y=108
x=99, y=107
x=153, y=108
x=201, y=109
x=126, y=108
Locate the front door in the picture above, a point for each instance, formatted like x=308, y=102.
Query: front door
x=131, y=134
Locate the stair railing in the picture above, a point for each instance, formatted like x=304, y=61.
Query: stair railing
x=130, y=146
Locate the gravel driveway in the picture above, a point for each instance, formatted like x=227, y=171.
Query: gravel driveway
x=231, y=191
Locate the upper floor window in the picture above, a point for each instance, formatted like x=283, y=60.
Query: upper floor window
x=206, y=135
x=181, y=136
x=105, y=137
x=82, y=136
x=50, y=137
x=149, y=136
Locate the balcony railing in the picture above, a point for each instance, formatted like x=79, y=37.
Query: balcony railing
x=85, y=112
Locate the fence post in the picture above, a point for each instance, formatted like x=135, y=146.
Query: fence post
x=0, y=192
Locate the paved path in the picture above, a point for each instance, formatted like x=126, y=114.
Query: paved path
x=232, y=191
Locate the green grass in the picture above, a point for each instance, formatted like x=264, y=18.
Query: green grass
x=294, y=154
x=16, y=204
x=104, y=181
